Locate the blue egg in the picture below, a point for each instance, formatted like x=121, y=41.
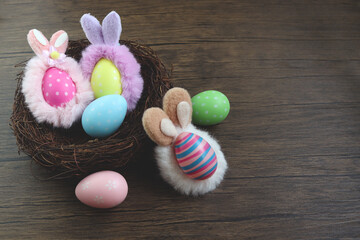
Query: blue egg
x=104, y=116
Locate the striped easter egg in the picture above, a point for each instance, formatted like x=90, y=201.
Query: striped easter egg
x=195, y=156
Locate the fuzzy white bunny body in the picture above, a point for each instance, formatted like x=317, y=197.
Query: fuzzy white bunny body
x=164, y=127
x=170, y=171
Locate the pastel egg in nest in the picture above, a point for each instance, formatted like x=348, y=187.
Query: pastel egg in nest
x=71, y=152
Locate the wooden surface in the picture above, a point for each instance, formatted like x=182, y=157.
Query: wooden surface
x=292, y=140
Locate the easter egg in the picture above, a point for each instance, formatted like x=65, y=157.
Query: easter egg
x=105, y=79
x=195, y=156
x=57, y=87
x=103, y=116
x=209, y=108
x=104, y=189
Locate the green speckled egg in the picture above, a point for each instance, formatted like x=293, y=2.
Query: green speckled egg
x=209, y=108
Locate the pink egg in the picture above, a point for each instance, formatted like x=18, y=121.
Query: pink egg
x=195, y=156
x=58, y=88
x=104, y=189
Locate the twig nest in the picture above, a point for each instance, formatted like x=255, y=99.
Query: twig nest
x=71, y=152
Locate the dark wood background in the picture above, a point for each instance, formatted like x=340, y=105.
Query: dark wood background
x=292, y=140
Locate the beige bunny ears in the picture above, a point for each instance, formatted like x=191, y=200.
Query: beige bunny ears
x=160, y=125
x=39, y=43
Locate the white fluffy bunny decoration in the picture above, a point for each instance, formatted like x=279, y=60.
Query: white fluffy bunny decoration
x=189, y=159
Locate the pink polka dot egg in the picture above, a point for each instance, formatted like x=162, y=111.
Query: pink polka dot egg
x=58, y=88
x=195, y=156
x=104, y=189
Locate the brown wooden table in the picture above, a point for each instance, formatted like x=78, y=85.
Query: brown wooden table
x=291, y=72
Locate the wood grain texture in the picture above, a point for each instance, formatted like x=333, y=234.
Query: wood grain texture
x=292, y=139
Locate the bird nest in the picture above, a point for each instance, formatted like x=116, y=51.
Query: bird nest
x=71, y=152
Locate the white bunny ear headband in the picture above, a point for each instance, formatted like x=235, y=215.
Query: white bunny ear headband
x=189, y=159
x=105, y=45
x=53, y=85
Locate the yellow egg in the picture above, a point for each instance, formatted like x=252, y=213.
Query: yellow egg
x=105, y=79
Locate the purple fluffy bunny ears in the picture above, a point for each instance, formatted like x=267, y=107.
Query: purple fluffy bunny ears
x=108, y=34
x=105, y=44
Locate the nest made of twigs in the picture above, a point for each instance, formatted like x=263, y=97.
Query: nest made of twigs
x=71, y=152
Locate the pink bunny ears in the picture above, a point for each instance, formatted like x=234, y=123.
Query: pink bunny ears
x=108, y=34
x=40, y=45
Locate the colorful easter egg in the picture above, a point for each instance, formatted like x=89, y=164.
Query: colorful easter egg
x=104, y=116
x=57, y=87
x=105, y=79
x=195, y=156
x=105, y=189
x=209, y=108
